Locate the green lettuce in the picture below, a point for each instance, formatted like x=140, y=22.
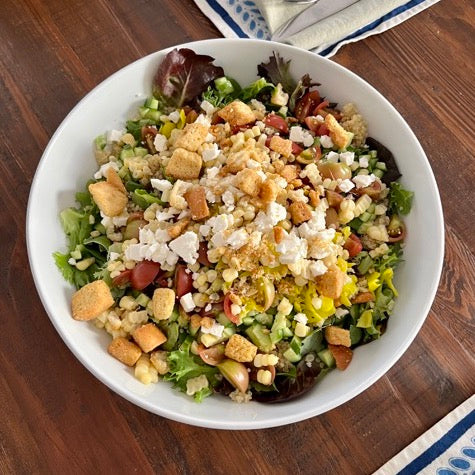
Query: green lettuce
x=400, y=200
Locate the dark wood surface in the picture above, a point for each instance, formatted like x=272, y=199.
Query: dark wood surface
x=55, y=417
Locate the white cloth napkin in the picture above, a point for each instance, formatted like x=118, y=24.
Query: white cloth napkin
x=260, y=18
x=448, y=448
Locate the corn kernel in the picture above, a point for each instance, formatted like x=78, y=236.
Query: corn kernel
x=264, y=377
x=230, y=274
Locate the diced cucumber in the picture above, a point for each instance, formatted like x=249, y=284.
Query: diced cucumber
x=127, y=152
x=248, y=321
x=290, y=355
x=100, y=142
x=264, y=319
x=364, y=227
x=365, y=265
x=260, y=337
x=76, y=254
x=151, y=103
x=312, y=342
x=381, y=166
x=140, y=151
x=365, y=216
x=327, y=357
x=222, y=319
x=224, y=85
x=379, y=173
x=143, y=111
x=209, y=340
x=142, y=300
x=172, y=330
x=372, y=163
x=153, y=115
x=373, y=153
x=296, y=344
x=277, y=330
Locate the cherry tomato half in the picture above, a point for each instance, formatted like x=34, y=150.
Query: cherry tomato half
x=183, y=280
x=122, y=279
x=396, y=229
x=213, y=355
x=306, y=105
x=227, y=309
x=144, y=274
x=353, y=245
x=278, y=122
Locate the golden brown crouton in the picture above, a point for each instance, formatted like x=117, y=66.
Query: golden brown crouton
x=340, y=137
x=300, y=212
x=163, y=301
x=236, y=162
x=314, y=198
x=124, y=350
x=280, y=145
x=237, y=113
x=342, y=355
x=289, y=172
x=192, y=137
x=196, y=199
x=148, y=337
x=279, y=234
x=249, y=181
x=91, y=300
x=184, y=165
x=338, y=336
x=114, y=179
x=331, y=283
x=269, y=191
x=110, y=200
x=195, y=321
x=178, y=228
x=240, y=349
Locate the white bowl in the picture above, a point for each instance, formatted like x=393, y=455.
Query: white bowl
x=68, y=162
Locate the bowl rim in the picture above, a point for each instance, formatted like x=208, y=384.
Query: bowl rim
x=245, y=424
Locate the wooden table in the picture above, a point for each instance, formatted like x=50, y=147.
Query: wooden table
x=56, y=417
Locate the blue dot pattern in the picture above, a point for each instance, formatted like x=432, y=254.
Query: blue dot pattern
x=461, y=465
x=247, y=16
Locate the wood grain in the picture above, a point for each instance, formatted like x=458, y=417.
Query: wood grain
x=57, y=418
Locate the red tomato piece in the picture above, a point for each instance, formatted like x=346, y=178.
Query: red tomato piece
x=312, y=123
x=278, y=122
x=320, y=106
x=296, y=149
x=122, y=279
x=322, y=130
x=227, y=309
x=353, y=245
x=183, y=280
x=213, y=355
x=306, y=104
x=144, y=274
x=203, y=254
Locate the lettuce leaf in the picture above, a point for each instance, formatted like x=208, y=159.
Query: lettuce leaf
x=184, y=365
x=76, y=226
x=400, y=200
x=71, y=274
x=182, y=77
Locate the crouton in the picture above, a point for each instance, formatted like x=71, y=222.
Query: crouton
x=289, y=172
x=114, y=179
x=110, y=200
x=195, y=321
x=236, y=162
x=342, y=355
x=249, y=182
x=237, y=113
x=363, y=297
x=125, y=351
x=331, y=283
x=163, y=302
x=314, y=198
x=279, y=234
x=240, y=349
x=192, y=137
x=178, y=228
x=148, y=337
x=300, y=212
x=91, y=300
x=280, y=145
x=338, y=336
x=184, y=165
x=196, y=199
x=340, y=137
x=269, y=191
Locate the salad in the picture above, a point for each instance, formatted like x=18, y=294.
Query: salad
x=237, y=240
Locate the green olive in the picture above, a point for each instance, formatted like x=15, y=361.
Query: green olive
x=334, y=170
